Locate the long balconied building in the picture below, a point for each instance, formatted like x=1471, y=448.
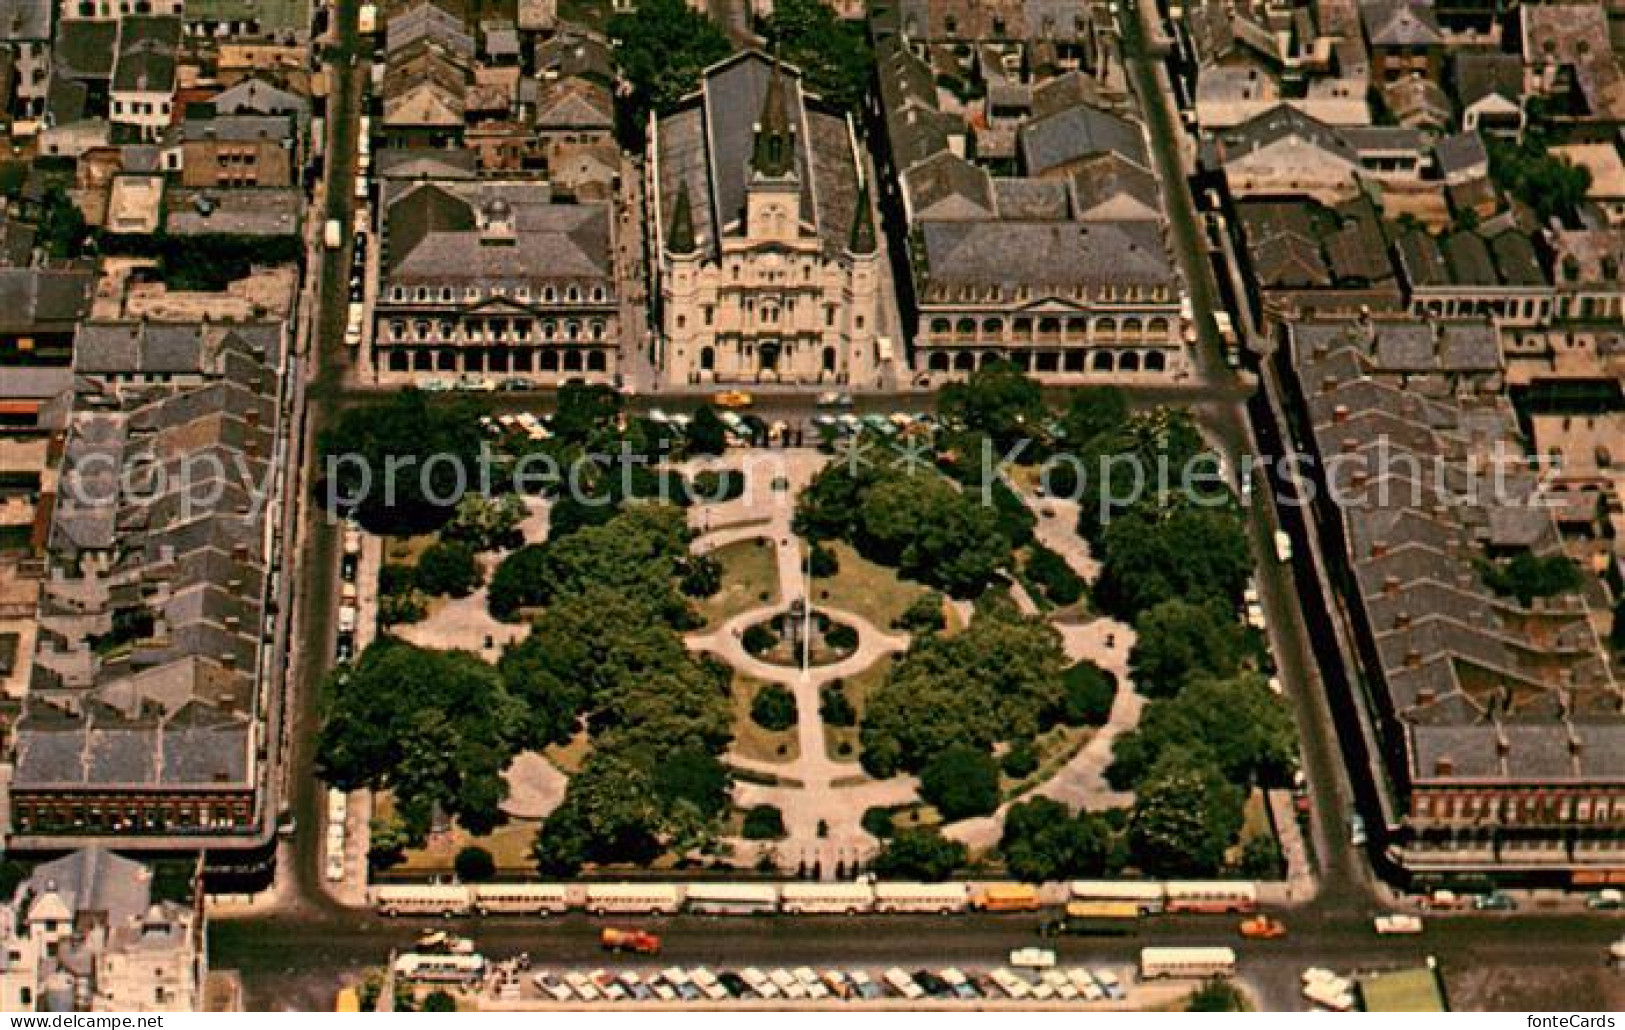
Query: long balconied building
x=146, y=719
x=1498, y=722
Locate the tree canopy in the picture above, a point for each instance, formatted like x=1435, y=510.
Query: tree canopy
x=434, y=727
x=662, y=47
x=833, y=54
x=637, y=552
x=999, y=400
x=919, y=855
x=961, y=782
x=1527, y=576
x=403, y=463
x=1235, y=723
x=1043, y=840
x=1177, y=639
x=1154, y=555
x=999, y=680
x=1185, y=816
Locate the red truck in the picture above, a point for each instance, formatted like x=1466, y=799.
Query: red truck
x=639, y=942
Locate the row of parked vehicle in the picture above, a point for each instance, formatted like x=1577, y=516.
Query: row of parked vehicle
x=806, y=984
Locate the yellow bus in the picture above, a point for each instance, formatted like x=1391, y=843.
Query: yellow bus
x=348, y=1001
x=1103, y=910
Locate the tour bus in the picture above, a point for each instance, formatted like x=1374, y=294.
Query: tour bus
x=942, y=898
x=808, y=898
x=1126, y=911
x=1211, y=896
x=1005, y=897
x=1186, y=963
x=1148, y=896
x=440, y=968
x=732, y=899
x=520, y=899
x=647, y=898
x=444, y=899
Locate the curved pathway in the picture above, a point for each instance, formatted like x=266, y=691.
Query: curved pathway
x=815, y=790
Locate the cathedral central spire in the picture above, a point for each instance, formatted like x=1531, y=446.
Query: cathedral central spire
x=773, y=156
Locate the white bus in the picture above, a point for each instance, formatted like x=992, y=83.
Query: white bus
x=1186, y=963
x=630, y=898
x=847, y=898
x=1143, y=893
x=440, y=968
x=443, y=899
x=942, y=898
x=731, y=899
x=520, y=899
x=1211, y=896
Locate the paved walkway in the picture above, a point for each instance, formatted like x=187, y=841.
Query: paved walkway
x=1081, y=782
x=815, y=790
x=535, y=786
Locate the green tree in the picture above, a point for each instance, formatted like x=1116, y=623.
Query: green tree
x=439, y=1001
x=1528, y=170
x=1181, y=551
x=999, y=400
x=763, y=822
x=1527, y=576
x=1177, y=639
x=611, y=814
x=402, y=464
x=919, y=855
x=701, y=576
x=662, y=47
x=877, y=822
x=1217, y=995
x=62, y=231
x=388, y=837
x=933, y=533
x=1089, y=692
x=961, y=782
x=999, y=680
x=694, y=776
x=773, y=708
x=474, y=864
x=586, y=415
x=834, y=707
x=486, y=523
x=1021, y=761
x=833, y=55
x=1185, y=816
x=1261, y=859
x=707, y=434
x=436, y=727
x=448, y=569
x=1051, y=572
x=923, y=615
x=1235, y=723
x=1044, y=841
x=1091, y=411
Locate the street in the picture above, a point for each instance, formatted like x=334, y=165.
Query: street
x=298, y=957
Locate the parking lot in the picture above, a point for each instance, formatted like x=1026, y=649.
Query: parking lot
x=509, y=985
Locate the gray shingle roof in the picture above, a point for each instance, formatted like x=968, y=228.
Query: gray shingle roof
x=1077, y=132
x=1045, y=253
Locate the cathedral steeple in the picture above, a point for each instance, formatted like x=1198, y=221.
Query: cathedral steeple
x=681, y=238
x=774, y=155
x=862, y=240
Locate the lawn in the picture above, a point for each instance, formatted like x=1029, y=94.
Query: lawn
x=569, y=757
x=406, y=550
x=509, y=844
x=752, y=741
x=864, y=588
x=857, y=689
x=1055, y=747
x=749, y=570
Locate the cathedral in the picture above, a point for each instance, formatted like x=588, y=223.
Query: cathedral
x=768, y=266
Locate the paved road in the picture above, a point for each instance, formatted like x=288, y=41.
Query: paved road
x=298, y=964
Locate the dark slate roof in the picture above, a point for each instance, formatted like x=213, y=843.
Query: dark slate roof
x=1100, y=180
x=1055, y=254
x=949, y=187
x=1460, y=152
x=1401, y=23
x=85, y=49
x=37, y=300
x=1479, y=75
x=433, y=234
x=25, y=20
x=1077, y=132
x=1283, y=122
